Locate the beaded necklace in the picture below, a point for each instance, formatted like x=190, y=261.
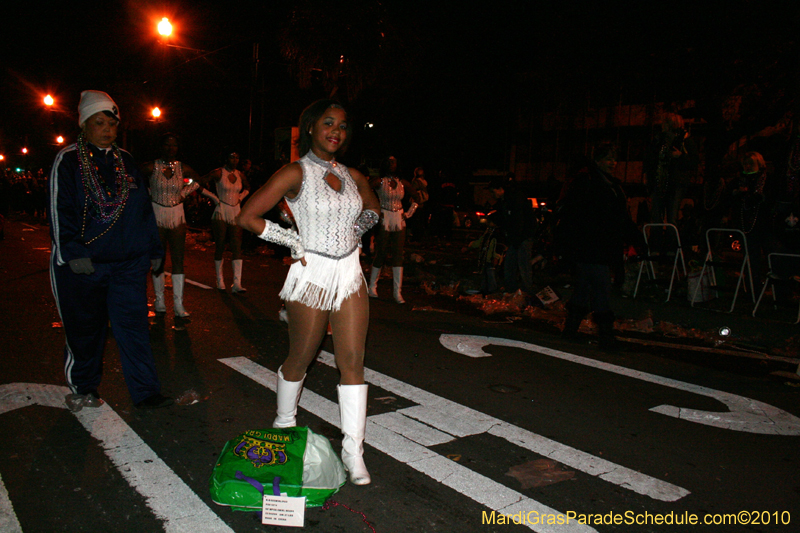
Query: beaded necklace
x=106, y=205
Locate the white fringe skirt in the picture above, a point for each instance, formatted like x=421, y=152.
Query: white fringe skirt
x=324, y=283
x=226, y=212
x=169, y=217
x=393, y=220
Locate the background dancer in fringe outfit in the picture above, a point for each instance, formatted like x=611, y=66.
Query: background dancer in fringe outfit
x=232, y=187
x=170, y=183
x=390, y=239
x=333, y=206
x=104, y=242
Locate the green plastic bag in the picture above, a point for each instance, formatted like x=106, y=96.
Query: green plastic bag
x=249, y=465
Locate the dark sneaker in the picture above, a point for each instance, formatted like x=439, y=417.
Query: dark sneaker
x=76, y=402
x=156, y=401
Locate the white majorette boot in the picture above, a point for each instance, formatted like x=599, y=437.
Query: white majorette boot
x=353, y=415
x=397, y=284
x=158, y=287
x=288, y=396
x=237, y=276
x=373, y=282
x=220, y=277
x=177, y=295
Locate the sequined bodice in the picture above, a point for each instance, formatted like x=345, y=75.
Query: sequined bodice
x=324, y=216
x=166, y=191
x=391, y=199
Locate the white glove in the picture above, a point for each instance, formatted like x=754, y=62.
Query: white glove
x=364, y=222
x=285, y=237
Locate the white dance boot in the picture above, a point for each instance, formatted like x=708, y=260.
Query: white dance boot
x=373, y=282
x=220, y=277
x=177, y=295
x=158, y=287
x=353, y=415
x=288, y=396
x=397, y=284
x=237, y=276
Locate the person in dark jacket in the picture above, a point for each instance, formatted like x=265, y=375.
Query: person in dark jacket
x=517, y=225
x=753, y=210
x=669, y=165
x=594, y=223
x=105, y=241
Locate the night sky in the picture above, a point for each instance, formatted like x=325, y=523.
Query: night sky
x=443, y=82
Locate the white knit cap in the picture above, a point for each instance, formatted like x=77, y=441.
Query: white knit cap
x=93, y=102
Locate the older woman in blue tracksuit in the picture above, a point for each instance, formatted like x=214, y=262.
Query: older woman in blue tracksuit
x=105, y=241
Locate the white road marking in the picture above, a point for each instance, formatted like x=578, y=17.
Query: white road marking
x=461, y=421
x=745, y=414
x=8, y=518
x=386, y=433
x=475, y=486
x=170, y=499
x=190, y=281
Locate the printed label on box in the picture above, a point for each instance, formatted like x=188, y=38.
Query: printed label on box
x=283, y=511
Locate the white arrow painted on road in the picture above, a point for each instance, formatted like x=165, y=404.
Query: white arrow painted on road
x=170, y=499
x=405, y=434
x=745, y=414
x=481, y=489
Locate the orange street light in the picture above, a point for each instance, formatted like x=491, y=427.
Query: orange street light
x=2, y=157
x=48, y=100
x=164, y=27
x=156, y=112
x=59, y=139
x=24, y=150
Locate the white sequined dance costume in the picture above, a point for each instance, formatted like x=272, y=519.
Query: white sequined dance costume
x=325, y=220
x=392, y=203
x=230, y=195
x=168, y=194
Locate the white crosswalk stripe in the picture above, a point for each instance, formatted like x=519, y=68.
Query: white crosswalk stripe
x=440, y=420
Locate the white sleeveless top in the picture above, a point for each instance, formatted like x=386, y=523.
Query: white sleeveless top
x=164, y=191
x=168, y=194
x=228, y=194
x=325, y=217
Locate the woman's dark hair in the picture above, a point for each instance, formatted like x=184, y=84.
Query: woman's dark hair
x=167, y=135
x=602, y=150
x=163, y=138
x=310, y=116
x=385, y=166
x=227, y=151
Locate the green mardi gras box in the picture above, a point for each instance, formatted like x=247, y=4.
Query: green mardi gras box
x=291, y=461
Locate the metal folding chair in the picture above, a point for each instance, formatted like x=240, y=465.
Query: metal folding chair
x=648, y=259
x=713, y=262
x=773, y=277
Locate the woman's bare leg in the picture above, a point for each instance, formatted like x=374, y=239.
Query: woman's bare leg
x=219, y=230
x=349, y=327
x=177, y=245
x=307, y=328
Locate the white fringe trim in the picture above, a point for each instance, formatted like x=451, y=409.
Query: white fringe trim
x=226, y=212
x=169, y=217
x=323, y=283
x=393, y=220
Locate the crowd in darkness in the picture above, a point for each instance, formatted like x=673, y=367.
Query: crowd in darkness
x=760, y=198
x=23, y=192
